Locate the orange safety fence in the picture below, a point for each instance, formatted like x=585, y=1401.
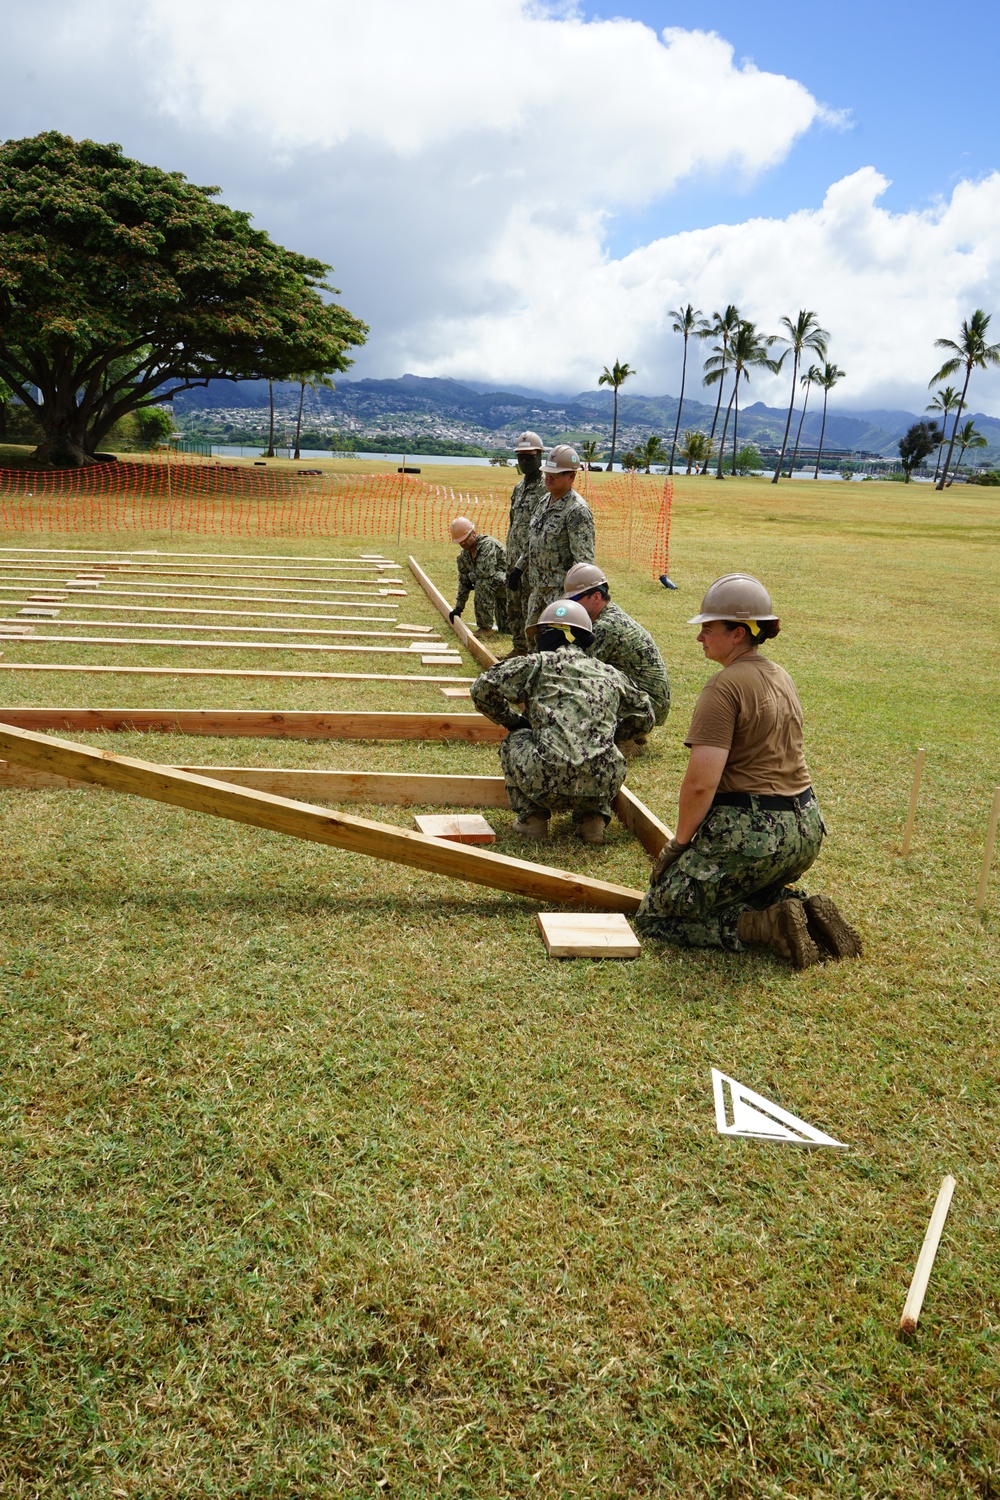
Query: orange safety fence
x=175, y=494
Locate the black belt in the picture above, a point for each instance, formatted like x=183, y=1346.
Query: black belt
x=764, y=801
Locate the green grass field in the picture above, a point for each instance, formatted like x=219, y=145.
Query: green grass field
x=320, y=1178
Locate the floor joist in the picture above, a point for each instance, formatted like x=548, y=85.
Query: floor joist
x=379, y=581
x=316, y=824
x=258, y=672
x=373, y=561
x=235, y=723
x=76, y=602
x=38, y=639
x=341, y=600
x=475, y=647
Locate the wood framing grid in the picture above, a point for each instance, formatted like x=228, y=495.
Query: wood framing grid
x=197, y=793
x=475, y=647
x=370, y=559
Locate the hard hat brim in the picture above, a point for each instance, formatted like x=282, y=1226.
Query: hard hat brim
x=736, y=618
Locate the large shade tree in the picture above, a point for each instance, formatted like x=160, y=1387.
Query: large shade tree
x=121, y=284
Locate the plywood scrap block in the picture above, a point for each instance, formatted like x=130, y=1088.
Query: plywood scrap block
x=39, y=612
x=459, y=692
x=441, y=657
x=580, y=934
x=462, y=828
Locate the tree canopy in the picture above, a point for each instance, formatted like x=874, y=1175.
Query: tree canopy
x=121, y=284
x=919, y=439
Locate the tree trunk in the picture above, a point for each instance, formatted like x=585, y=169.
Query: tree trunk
x=725, y=426
x=298, y=422
x=680, y=408
x=822, y=434
x=937, y=461
x=65, y=442
x=954, y=430
x=798, y=434
x=715, y=423
x=736, y=423
x=788, y=424
x=614, y=435
x=270, y=430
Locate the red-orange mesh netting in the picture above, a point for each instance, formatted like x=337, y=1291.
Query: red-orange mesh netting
x=213, y=499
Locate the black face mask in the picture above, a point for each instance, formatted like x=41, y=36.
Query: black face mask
x=529, y=464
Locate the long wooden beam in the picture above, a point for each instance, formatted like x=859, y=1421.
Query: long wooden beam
x=317, y=824
x=87, y=601
x=118, y=640
x=641, y=823
x=257, y=672
x=343, y=598
x=472, y=644
x=375, y=560
x=401, y=632
x=6, y=569
x=285, y=724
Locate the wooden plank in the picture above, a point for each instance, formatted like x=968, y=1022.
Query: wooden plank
x=359, y=584
x=470, y=828
x=376, y=788
x=641, y=823
x=584, y=935
x=474, y=647
x=124, y=558
x=118, y=640
x=42, y=616
x=229, y=614
x=455, y=693
x=256, y=672
x=343, y=598
x=285, y=724
x=317, y=824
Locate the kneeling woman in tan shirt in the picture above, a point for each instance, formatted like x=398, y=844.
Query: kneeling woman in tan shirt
x=748, y=825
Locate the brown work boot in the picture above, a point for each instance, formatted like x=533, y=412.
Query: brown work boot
x=591, y=829
x=828, y=929
x=784, y=929
x=535, y=827
x=631, y=748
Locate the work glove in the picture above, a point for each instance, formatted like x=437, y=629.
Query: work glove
x=668, y=855
x=514, y=578
x=453, y=615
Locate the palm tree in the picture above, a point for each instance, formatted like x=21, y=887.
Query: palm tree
x=588, y=451
x=749, y=349
x=972, y=352
x=615, y=377
x=270, y=429
x=807, y=381
x=945, y=401
x=651, y=452
x=802, y=333
x=314, y=380
x=722, y=327
x=827, y=378
x=686, y=321
x=968, y=437
x=696, y=448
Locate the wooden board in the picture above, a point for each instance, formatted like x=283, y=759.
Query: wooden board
x=285, y=724
x=475, y=647
x=583, y=935
x=317, y=824
x=456, y=693
x=256, y=672
x=419, y=632
x=641, y=823
x=43, y=616
x=342, y=599
x=8, y=569
x=125, y=558
x=470, y=828
x=118, y=640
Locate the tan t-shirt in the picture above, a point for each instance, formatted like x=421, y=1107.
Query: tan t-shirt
x=752, y=710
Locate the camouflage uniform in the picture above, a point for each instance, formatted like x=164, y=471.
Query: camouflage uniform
x=575, y=706
x=525, y=497
x=483, y=573
x=622, y=642
x=741, y=859
x=560, y=533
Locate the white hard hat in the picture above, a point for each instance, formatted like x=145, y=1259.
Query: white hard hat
x=460, y=528
x=583, y=578
x=734, y=596
x=562, y=460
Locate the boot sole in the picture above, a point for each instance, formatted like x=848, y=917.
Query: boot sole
x=829, y=929
x=794, y=939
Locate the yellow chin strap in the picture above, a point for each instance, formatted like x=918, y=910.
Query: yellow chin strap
x=567, y=630
x=752, y=626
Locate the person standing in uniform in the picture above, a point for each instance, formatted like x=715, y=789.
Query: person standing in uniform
x=524, y=497
x=561, y=752
x=482, y=572
x=620, y=640
x=560, y=533
x=748, y=822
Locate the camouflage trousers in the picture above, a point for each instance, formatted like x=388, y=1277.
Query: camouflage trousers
x=516, y=601
x=490, y=602
x=535, y=787
x=741, y=859
x=537, y=600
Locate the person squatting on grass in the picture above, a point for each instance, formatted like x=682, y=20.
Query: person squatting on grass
x=527, y=494
x=561, y=752
x=748, y=823
x=560, y=533
x=622, y=642
x=482, y=572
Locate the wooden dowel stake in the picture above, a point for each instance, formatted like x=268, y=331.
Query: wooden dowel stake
x=991, y=838
x=925, y=1261
x=918, y=771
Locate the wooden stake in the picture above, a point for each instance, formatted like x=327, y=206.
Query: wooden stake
x=285, y=724
x=474, y=647
x=925, y=1262
x=918, y=771
x=318, y=824
x=275, y=676
x=991, y=838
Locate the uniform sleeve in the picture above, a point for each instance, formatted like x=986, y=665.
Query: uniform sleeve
x=498, y=690
x=714, y=719
x=635, y=712
x=580, y=533
x=464, y=584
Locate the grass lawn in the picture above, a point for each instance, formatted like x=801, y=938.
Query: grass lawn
x=320, y=1178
